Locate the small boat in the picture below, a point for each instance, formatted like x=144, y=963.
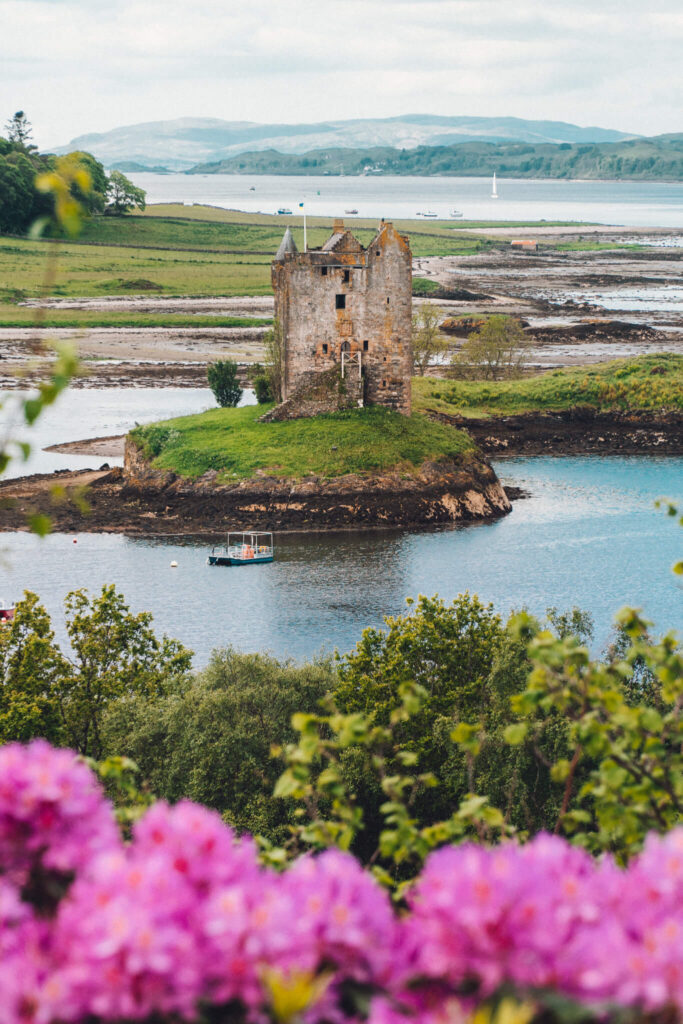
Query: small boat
x=252, y=188
x=430, y=213
x=6, y=611
x=351, y=213
x=494, y=190
x=284, y=212
x=248, y=548
x=456, y=214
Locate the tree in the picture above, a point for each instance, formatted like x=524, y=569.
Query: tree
x=608, y=768
x=222, y=377
x=114, y=654
x=31, y=667
x=499, y=349
x=94, y=198
x=123, y=195
x=401, y=695
x=260, y=381
x=427, y=340
x=19, y=131
x=272, y=341
x=17, y=193
x=209, y=738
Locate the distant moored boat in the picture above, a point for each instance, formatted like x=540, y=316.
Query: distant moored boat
x=284, y=212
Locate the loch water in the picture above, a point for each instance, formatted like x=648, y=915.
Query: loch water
x=633, y=203
x=589, y=536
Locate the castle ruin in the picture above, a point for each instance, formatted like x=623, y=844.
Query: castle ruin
x=345, y=319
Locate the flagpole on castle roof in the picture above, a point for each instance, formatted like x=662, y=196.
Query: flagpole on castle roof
x=301, y=205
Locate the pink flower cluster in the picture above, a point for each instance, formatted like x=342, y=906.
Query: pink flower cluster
x=184, y=915
x=546, y=915
x=52, y=813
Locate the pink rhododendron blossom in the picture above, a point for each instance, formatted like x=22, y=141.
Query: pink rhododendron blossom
x=52, y=811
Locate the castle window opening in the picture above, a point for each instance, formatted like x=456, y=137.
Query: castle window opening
x=346, y=348
x=324, y=349
x=366, y=345
x=347, y=276
x=340, y=301
x=387, y=300
x=376, y=252
x=323, y=271
x=384, y=383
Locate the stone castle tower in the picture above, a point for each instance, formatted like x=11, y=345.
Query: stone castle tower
x=347, y=309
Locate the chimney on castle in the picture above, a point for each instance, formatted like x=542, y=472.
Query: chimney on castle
x=338, y=227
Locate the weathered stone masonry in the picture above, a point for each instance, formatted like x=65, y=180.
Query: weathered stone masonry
x=345, y=299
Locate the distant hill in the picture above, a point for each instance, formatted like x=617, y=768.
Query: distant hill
x=183, y=143
x=659, y=158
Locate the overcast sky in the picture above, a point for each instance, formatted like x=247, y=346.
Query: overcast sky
x=77, y=66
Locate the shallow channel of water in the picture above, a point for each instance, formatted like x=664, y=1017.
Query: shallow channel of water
x=95, y=412
x=588, y=536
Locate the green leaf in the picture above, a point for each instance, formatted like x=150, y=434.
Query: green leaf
x=40, y=524
x=516, y=733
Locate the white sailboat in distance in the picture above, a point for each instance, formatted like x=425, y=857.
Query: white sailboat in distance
x=494, y=190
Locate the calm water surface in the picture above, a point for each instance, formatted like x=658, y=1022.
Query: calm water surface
x=83, y=413
x=640, y=204
x=589, y=536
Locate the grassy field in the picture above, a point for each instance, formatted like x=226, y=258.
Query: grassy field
x=359, y=441
x=588, y=245
x=14, y=316
x=262, y=233
x=226, y=254
x=423, y=286
x=653, y=382
x=85, y=270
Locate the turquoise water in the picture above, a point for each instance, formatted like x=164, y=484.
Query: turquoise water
x=588, y=536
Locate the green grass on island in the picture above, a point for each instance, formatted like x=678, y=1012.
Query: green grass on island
x=649, y=383
x=362, y=441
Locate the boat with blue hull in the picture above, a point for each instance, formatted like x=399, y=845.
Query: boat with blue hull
x=250, y=548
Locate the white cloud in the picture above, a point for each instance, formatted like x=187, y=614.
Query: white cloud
x=84, y=65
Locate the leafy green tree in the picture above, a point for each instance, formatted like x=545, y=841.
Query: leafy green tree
x=498, y=350
x=457, y=663
x=114, y=654
x=94, y=197
x=631, y=743
x=123, y=195
x=19, y=131
x=222, y=378
x=273, y=343
x=17, y=193
x=31, y=668
x=426, y=338
x=210, y=736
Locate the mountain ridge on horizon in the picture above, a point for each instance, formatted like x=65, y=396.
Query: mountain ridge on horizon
x=182, y=143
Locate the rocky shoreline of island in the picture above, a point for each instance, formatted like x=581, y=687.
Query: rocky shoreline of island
x=143, y=501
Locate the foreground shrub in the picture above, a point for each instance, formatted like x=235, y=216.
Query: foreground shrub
x=184, y=923
x=223, y=381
